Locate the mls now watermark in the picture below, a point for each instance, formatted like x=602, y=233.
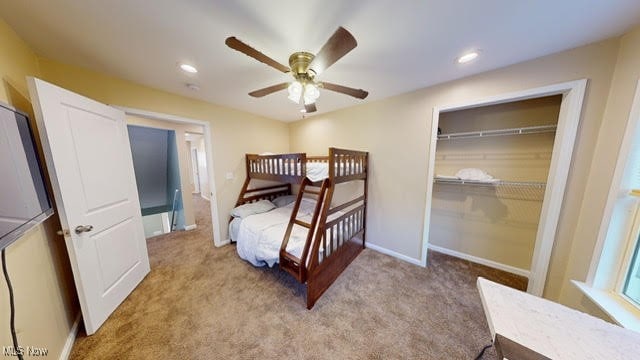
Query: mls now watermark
x=24, y=351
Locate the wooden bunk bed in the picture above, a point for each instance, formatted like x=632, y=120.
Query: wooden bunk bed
x=336, y=233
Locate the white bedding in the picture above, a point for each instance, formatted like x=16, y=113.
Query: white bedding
x=259, y=236
x=234, y=228
x=317, y=171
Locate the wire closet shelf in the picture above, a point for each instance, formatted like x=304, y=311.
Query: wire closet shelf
x=490, y=183
x=516, y=190
x=499, y=132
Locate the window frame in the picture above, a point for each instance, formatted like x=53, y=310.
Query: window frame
x=618, y=233
x=633, y=238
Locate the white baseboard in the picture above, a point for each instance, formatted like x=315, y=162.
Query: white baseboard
x=71, y=338
x=223, y=243
x=190, y=227
x=393, y=253
x=481, y=261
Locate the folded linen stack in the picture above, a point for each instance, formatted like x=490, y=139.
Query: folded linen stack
x=474, y=174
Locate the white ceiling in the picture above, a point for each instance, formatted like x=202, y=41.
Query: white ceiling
x=402, y=45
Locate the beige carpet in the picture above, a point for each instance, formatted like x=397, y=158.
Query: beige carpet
x=201, y=302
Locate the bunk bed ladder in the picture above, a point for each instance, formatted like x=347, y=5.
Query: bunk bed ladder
x=290, y=263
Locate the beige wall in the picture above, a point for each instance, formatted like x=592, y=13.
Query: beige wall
x=395, y=131
x=234, y=132
x=497, y=223
x=46, y=304
x=184, y=155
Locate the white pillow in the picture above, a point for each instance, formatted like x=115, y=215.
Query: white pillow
x=285, y=200
x=258, y=207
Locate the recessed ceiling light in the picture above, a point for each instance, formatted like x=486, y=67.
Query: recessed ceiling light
x=188, y=68
x=468, y=57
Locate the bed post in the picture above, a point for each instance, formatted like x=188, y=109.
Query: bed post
x=366, y=192
x=332, y=164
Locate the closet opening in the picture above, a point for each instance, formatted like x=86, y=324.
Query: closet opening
x=497, y=175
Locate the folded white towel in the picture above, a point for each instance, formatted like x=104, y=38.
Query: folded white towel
x=475, y=174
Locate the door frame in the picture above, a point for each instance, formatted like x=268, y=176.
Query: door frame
x=208, y=136
x=195, y=171
x=573, y=93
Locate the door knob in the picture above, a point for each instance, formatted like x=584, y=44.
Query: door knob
x=83, y=228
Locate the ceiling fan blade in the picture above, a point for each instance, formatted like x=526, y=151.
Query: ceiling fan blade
x=356, y=93
x=310, y=108
x=238, y=45
x=338, y=45
x=268, y=90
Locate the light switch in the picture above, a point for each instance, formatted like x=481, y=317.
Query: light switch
x=230, y=176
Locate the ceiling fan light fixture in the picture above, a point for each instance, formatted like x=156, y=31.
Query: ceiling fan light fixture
x=303, y=67
x=311, y=94
x=295, y=92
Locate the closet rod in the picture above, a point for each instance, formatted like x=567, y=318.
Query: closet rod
x=499, y=132
x=485, y=183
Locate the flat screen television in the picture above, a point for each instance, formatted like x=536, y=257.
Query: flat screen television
x=24, y=201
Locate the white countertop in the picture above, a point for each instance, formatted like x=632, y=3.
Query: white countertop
x=554, y=330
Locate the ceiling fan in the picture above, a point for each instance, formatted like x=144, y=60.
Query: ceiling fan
x=304, y=67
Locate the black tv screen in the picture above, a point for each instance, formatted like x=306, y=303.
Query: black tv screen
x=24, y=201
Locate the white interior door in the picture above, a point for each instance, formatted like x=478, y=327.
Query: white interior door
x=88, y=156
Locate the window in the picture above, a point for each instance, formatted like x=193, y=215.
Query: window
x=631, y=285
x=628, y=283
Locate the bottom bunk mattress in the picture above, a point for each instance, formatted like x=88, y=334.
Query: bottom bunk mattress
x=258, y=237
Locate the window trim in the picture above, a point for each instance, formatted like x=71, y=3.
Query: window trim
x=632, y=240
x=628, y=263
x=619, y=309
x=611, y=256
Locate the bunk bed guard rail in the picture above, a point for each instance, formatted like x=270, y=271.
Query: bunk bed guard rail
x=347, y=165
x=290, y=168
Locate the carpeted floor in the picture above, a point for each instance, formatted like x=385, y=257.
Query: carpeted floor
x=201, y=302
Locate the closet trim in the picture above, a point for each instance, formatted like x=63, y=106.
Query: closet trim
x=570, y=110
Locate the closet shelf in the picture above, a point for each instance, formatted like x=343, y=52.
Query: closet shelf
x=499, y=132
x=496, y=183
